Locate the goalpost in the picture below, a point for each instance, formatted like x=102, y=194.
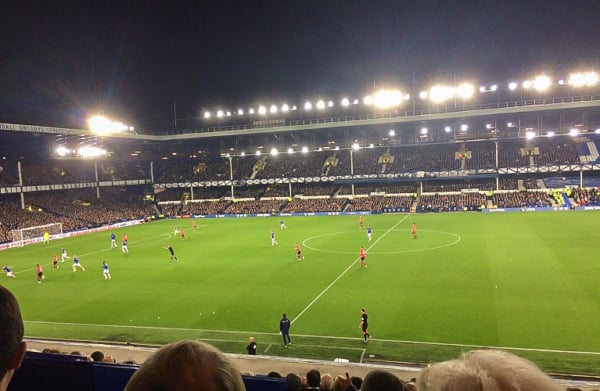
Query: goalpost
x=36, y=234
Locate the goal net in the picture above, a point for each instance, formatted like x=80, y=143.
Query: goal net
x=36, y=234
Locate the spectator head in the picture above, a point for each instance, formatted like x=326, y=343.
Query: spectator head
x=357, y=382
x=97, y=356
x=274, y=374
x=187, y=366
x=12, y=346
x=485, y=370
x=326, y=382
x=313, y=378
x=378, y=380
x=293, y=382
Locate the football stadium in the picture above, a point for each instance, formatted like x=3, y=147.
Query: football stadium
x=477, y=216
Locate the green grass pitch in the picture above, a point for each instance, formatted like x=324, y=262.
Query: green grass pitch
x=517, y=280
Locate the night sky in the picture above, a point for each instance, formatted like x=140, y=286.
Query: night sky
x=63, y=60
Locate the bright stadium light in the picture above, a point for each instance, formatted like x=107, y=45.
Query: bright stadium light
x=258, y=153
x=320, y=105
x=368, y=100
x=392, y=132
x=550, y=134
x=529, y=135
x=207, y=114
x=229, y=113
x=464, y=127
x=355, y=146
x=330, y=103
x=285, y=108
x=274, y=152
x=290, y=150
x=251, y=111
x=308, y=106
x=573, y=132
x=240, y=111
x=527, y=84
x=345, y=102
x=597, y=131
x=86, y=152
x=62, y=151
x=102, y=125
x=510, y=124
x=262, y=110
x=447, y=129
x=273, y=109
x=424, y=130
x=493, y=87
x=439, y=93
x=465, y=90
x=355, y=102
x=305, y=149
x=423, y=94
x=387, y=98
x=513, y=85
x=243, y=154
x=542, y=83
x=220, y=114
x=583, y=79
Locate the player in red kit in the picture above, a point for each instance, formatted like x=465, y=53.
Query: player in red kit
x=182, y=234
x=413, y=230
x=39, y=272
x=299, y=255
x=363, y=257
x=361, y=221
x=55, y=262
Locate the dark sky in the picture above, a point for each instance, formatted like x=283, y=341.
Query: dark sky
x=131, y=59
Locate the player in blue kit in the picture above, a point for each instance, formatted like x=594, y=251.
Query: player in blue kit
x=113, y=240
x=9, y=272
x=106, y=271
x=282, y=224
x=369, y=233
x=273, y=241
x=76, y=264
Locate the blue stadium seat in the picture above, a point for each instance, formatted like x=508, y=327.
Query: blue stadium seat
x=58, y=372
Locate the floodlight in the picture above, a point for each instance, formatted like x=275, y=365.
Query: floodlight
x=574, y=132
x=227, y=155
x=345, y=102
x=273, y=109
x=439, y=93
x=527, y=84
x=510, y=124
x=62, y=151
x=355, y=102
x=542, y=83
x=371, y=146
x=305, y=149
x=91, y=152
x=529, y=135
x=482, y=89
x=207, y=114
x=368, y=100
x=240, y=112
x=355, y=146
x=513, y=85
x=258, y=153
x=424, y=130
x=251, y=111
x=320, y=105
x=274, y=152
x=550, y=134
x=229, y=113
x=308, y=106
x=337, y=148
x=465, y=90
x=447, y=129
x=330, y=103
x=562, y=82
x=285, y=108
x=423, y=94
x=290, y=150
x=488, y=126
x=262, y=110
x=464, y=127
x=587, y=79
x=392, y=132
x=387, y=98
x=243, y=154
x=597, y=131
x=294, y=107
x=494, y=87
x=220, y=114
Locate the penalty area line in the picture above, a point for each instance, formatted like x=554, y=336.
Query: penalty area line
x=345, y=271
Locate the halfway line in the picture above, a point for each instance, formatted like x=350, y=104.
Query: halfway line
x=345, y=271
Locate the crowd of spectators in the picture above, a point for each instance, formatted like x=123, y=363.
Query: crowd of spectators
x=255, y=206
x=439, y=186
x=304, y=205
x=522, y=199
x=380, y=204
x=450, y=202
x=586, y=197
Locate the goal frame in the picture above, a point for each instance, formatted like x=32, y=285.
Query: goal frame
x=35, y=234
